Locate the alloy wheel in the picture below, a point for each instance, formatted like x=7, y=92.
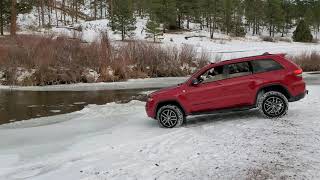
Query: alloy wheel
x=274, y=106
x=168, y=118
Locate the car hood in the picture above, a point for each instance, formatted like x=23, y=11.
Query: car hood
x=166, y=90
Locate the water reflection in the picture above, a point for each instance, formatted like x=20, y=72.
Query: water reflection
x=23, y=105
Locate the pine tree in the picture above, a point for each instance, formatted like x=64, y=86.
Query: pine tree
x=165, y=12
x=213, y=12
x=153, y=29
x=302, y=33
x=123, y=20
x=238, y=27
x=254, y=14
x=4, y=14
x=316, y=11
x=228, y=10
x=274, y=15
x=287, y=8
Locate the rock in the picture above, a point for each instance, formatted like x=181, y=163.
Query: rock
x=90, y=75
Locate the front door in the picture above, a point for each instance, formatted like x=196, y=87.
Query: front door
x=207, y=95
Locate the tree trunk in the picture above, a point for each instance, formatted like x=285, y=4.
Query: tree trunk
x=122, y=33
x=270, y=30
x=1, y=18
x=13, y=27
x=77, y=11
x=273, y=30
x=56, y=12
x=111, y=14
x=188, y=22
x=42, y=12
x=49, y=13
x=211, y=27
x=179, y=21
x=101, y=9
x=63, y=11
x=95, y=9
x=39, y=15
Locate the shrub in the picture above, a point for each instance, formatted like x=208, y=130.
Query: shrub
x=308, y=61
x=63, y=60
x=302, y=33
x=239, y=31
x=267, y=38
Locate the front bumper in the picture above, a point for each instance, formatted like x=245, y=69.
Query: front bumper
x=299, y=97
x=150, y=108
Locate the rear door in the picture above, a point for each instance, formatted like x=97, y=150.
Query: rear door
x=238, y=87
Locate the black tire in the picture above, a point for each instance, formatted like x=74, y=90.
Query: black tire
x=170, y=116
x=273, y=104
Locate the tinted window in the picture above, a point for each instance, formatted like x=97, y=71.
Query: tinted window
x=265, y=65
x=239, y=69
x=213, y=74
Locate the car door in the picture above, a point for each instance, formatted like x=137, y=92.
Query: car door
x=206, y=96
x=238, y=87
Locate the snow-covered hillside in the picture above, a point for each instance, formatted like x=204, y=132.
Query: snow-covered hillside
x=221, y=46
x=118, y=141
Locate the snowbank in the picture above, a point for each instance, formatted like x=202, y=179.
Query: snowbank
x=118, y=141
x=130, y=84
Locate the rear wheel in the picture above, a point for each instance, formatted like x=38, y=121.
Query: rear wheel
x=273, y=104
x=170, y=116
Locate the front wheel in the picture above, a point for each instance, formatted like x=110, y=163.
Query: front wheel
x=170, y=116
x=273, y=104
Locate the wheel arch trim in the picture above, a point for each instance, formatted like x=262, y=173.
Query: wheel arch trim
x=170, y=101
x=288, y=94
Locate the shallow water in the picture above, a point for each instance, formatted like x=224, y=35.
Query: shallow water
x=23, y=105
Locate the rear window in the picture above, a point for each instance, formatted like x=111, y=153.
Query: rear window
x=265, y=65
x=239, y=69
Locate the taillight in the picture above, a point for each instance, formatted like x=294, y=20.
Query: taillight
x=298, y=72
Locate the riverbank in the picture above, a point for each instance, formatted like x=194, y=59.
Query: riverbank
x=35, y=60
x=146, y=83
x=312, y=78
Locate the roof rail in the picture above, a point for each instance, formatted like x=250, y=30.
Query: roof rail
x=280, y=54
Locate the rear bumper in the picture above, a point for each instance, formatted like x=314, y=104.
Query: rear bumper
x=299, y=97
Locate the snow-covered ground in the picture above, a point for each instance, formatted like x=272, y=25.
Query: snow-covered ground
x=221, y=47
x=118, y=141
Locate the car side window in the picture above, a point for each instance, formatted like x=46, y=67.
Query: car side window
x=265, y=65
x=239, y=69
x=213, y=74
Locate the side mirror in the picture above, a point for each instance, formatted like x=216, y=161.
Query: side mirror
x=195, y=82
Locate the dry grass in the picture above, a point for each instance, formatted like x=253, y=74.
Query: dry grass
x=308, y=61
x=63, y=60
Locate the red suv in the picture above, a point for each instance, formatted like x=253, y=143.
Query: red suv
x=267, y=82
